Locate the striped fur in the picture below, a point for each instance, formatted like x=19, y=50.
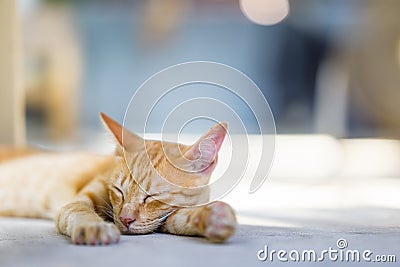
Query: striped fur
x=89, y=195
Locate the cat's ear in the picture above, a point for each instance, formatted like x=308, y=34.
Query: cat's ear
x=203, y=153
x=126, y=139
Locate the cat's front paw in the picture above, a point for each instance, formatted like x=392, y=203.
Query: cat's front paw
x=95, y=234
x=220, y=223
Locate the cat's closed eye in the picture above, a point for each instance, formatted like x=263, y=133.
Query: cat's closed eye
x=118, y=192
x=147, y=198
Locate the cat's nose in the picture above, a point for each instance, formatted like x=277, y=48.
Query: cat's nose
x=127, y=220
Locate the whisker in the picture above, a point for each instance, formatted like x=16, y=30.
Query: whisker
x=156, y=221
x=105, y=210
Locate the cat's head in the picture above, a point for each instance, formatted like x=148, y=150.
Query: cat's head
x=147, y=180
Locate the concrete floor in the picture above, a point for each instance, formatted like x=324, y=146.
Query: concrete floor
x=27, y=242
x=289, y=215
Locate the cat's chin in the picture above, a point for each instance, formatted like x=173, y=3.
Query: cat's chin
x=141, y=230
x=138, y=229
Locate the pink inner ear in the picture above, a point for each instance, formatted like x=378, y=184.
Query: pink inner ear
x=217, y=134
x=205, y=150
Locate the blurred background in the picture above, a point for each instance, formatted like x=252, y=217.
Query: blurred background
x=326, y=67
x=330, y=67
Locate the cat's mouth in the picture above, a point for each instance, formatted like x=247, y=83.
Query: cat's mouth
x=147, y=227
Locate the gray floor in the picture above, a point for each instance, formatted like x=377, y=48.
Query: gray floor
x=25, y=242
x=285, y=215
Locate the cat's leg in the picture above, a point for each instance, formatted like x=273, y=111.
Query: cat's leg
x=82, y=223
x=215, y=221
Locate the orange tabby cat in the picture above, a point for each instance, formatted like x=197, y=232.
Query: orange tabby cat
x=94, y=198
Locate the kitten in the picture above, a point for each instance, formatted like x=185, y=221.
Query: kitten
x=94, y=198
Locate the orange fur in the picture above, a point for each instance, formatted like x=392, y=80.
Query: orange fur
x=94, y=198
x=8, y=153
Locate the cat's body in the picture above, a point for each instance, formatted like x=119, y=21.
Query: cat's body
x=94, y=198
x=39, y=184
